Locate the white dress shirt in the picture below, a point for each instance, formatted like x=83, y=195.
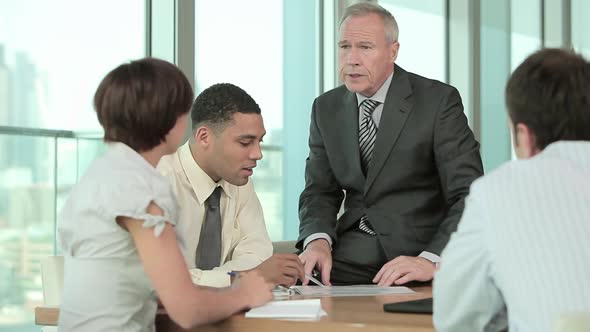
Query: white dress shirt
x=522, y=247
x=245, y=240
x=376, y=115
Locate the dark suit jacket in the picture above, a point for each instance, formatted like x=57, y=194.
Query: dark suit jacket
x=424, y=161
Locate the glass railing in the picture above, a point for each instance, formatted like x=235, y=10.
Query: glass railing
x=38, y=168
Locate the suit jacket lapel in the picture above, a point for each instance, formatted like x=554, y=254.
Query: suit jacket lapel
x=396, y=110
x=349, y=132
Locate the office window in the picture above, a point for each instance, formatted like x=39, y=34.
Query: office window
x=580, y=27
x=525, y=26
x=525, y=38
x=52, y=57
x=61, y=51
x=510, y=31
x=422, y=36
x=495, y=38
x=267, y=48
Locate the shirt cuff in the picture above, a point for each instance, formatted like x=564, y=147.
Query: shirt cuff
x=210, y=278
x=430, y=256
x=316, y=236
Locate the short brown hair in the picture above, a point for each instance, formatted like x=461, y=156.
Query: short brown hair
x=138, y=102
x=550, y=93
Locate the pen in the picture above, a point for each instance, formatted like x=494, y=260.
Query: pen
x=282, y=288
x=314, y=280
x=311, y=278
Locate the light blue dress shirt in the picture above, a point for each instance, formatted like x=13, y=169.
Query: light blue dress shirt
x=521, y=254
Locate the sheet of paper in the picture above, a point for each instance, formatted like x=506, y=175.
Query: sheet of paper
x=356, y=290
x=295, y=309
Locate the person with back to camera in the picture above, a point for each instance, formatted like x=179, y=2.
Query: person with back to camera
x=519, y=258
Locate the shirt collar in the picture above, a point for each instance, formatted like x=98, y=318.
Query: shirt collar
x=201, y=183
x=571, y=150
x=379, y=95
x=131, y=154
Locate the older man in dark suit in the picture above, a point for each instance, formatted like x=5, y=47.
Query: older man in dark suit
x=396, y=148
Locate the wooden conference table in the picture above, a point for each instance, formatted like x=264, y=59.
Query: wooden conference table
x=345, y=314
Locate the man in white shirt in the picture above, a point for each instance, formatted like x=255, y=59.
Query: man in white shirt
x=521, y=249
x=223, y=151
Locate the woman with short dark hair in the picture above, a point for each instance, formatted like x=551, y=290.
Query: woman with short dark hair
x=115, y=229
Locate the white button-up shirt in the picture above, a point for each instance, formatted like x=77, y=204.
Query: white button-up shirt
x=522, y=246
x=245, y=240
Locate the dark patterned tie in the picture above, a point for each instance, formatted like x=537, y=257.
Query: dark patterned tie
x=208, y=253
x=367, y=137
x=367, y=132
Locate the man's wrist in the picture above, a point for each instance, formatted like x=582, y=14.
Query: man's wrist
x=320, y=242
x=233, y=275
x=434, y=258
x=435, y=264
x=316, y=236
x=241, y=296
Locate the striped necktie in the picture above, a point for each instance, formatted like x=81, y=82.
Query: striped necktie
x=367, y=132
x=367, y=137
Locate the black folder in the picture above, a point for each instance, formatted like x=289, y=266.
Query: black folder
x=423, y=306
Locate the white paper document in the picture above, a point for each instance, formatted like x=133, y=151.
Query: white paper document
x=295, y=309
x=357, y=290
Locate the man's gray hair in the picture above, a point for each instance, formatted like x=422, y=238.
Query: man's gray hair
x=366, y=8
